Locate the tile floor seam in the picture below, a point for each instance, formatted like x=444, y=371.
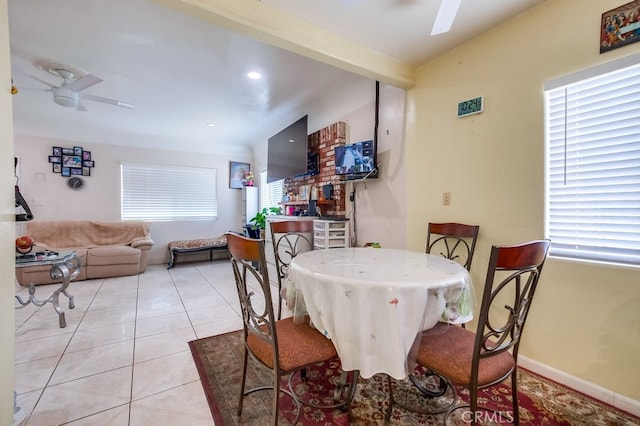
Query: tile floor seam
x=173, y=282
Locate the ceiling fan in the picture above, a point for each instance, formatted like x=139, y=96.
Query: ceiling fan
x=67, y=94
x=446, y=15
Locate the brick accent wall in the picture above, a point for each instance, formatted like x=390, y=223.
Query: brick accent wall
x=323, y=143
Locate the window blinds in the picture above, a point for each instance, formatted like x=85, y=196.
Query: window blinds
x=165, y=192
x=593, y=168
x=271, y=195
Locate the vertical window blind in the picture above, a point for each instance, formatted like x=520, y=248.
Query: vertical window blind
x=165, y=192
x=593, y=167
x=271, y=193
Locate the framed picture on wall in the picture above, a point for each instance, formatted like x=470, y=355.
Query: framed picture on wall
x=305, y=192
x=237, y=172
x=72, y=160
x=620, y=26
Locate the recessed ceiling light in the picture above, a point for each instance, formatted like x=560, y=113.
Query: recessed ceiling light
x=211, y=124
x=253, y=75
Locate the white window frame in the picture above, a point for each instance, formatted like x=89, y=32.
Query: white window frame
x=161, y=192
x=270, y=193
x=592, y=164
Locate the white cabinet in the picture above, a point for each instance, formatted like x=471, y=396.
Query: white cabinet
x=250, y=204
x=330, y=234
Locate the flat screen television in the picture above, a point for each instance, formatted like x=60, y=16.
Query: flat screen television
x=356, y=160
x=287, y=151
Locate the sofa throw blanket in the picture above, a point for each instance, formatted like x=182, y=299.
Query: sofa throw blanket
x=85, y=233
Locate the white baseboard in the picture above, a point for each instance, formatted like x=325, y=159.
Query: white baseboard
x=595, y=391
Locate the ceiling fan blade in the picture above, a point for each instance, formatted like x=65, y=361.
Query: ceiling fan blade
x=81, y=107
x=83, y=83
x=108, y=101
x=446, y=15
x=46, y=83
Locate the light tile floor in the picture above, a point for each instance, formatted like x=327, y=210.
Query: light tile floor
x=123, y=358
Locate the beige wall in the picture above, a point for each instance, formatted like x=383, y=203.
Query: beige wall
x=7, y=217
x=584, y=320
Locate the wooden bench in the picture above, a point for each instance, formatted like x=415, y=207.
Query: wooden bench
x=195, y=246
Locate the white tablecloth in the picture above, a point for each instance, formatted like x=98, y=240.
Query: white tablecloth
x=374, y=303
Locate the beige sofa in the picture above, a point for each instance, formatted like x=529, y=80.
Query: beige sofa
x=107, y=249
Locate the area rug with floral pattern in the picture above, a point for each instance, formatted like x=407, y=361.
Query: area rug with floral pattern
x=541, y=401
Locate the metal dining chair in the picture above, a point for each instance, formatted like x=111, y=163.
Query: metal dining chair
x=455, y=241
x=488, y=356
x=284, y=347
x=290, y=238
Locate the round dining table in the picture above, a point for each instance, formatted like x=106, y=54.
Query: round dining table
x=374, y=303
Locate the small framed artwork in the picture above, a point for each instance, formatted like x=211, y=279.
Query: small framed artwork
x=86, y=171
x=86, y=156
x=67, y=151
x=304, y=193
x=55, y=159
x=66, y=171
x=86, y=163
x=57, y=168
x=72, y=160
x=620, y=26
x=57, y=151
x=237, y=172
x=76, y=170
x=77, y=150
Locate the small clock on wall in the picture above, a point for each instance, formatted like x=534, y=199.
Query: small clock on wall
x=75, y=182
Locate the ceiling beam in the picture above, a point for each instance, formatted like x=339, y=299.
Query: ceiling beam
x=253, y=19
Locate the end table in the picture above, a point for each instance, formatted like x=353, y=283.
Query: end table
x=65, y=265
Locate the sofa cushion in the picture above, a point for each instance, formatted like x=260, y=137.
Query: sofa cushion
x=113, y=270
x=86, y=233
x=113, y=255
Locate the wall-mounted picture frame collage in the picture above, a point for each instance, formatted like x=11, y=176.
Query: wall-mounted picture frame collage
x=71, y=161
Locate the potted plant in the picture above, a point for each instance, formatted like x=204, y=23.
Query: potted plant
x=256, y=226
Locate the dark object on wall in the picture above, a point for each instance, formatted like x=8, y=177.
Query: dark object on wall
x=21, y=202
x=312, y=165
x=327, y=191
x=287, y=152
x=311, y=211
x=619, y=27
